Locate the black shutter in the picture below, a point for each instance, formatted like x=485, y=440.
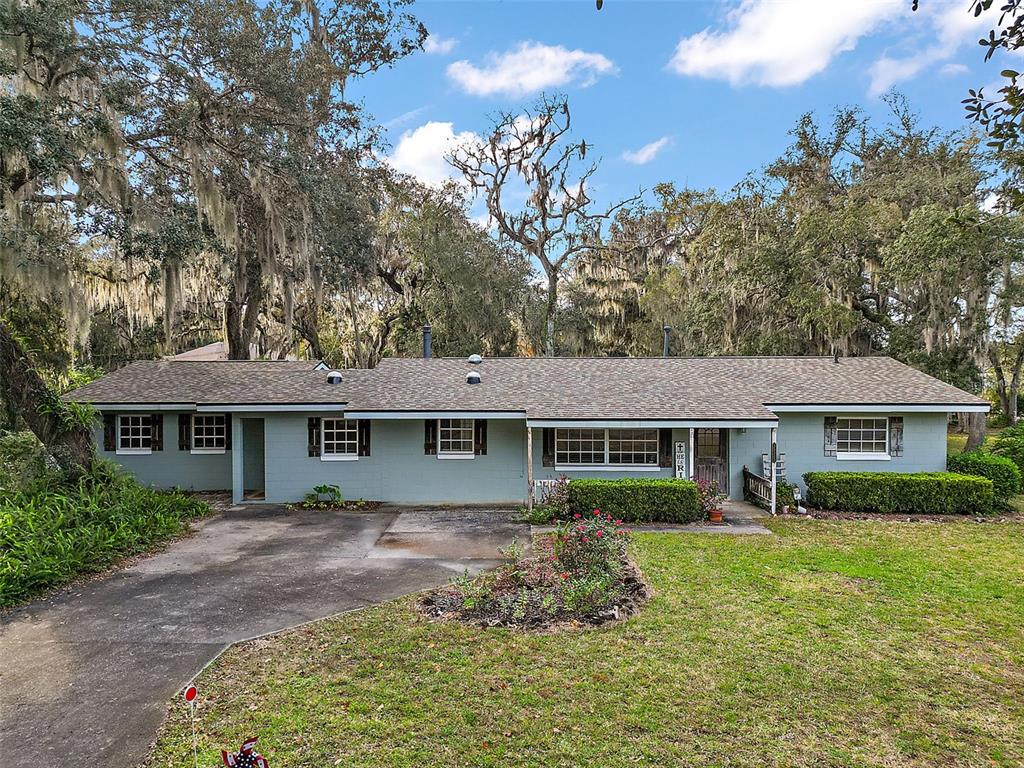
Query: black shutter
x=156, y=426
x=363, y=431
x=313, y=434
x=430, y=436
x=109, y=432
x=831, y=436
x=895, y=435
x=664, y=447
x=227, y=431
x=547, y=458
x=184, y=432
x=480, y=437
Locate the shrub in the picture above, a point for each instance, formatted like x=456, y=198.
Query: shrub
x=1003, y=472
x=661, y=500
x=920, y=493
x=24, y=464
x=591, y=544
x=1010, y=444
x=50, y=535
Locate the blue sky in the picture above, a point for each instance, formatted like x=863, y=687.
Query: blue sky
x=698, y=92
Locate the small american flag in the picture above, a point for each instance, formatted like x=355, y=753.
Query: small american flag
x=246, y=757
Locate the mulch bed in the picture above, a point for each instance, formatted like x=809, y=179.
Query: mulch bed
x=827, y=514
x=446, y=604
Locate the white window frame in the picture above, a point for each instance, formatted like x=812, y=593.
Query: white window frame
x=209, y=450
x=606, y=465
x=348, y=425
x=862, y=455
x=145, y=423
x=462, y=454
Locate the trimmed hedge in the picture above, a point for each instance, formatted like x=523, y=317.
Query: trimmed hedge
x=919, y=493
x=1003, y=472
x=637, y=500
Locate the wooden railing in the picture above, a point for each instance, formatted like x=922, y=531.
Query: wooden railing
x=757, y=489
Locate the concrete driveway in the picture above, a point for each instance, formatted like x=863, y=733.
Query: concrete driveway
x=86, y=674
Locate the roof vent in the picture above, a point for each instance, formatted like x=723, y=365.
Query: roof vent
x=475, y=359
x=473, y=377
x=334, y=377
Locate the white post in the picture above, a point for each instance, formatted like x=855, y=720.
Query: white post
x=774, y=457
x=529, y=468
x=237, y=461
x=690, y=470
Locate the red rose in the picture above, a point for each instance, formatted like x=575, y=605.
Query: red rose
x=600, y=534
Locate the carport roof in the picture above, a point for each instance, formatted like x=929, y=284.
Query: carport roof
x=672, y=388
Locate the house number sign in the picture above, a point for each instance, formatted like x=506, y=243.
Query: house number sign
x=680, y=465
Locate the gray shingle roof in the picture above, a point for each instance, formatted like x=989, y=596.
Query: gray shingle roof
x=545, y=388
x=221, y=382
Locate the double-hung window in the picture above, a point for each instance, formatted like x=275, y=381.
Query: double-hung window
x=455, y=438
x=339, y=439
x=611, y=448
x=135, y=433
x=862, y=438
x=209, y=433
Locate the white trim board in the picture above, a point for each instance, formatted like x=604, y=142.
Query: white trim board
x=407, y=415
x=310, y=407
x=878, y=408
x=143, y=408
x=654, y=423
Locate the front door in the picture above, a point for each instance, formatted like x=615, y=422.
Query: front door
x=711, y=454
x=253, y=461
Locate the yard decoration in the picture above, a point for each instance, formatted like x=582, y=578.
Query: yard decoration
x=190, y=695
x=246, y=757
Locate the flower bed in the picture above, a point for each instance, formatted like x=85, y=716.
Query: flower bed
x=579, y=574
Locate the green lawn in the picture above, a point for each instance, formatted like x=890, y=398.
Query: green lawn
x=830, y=644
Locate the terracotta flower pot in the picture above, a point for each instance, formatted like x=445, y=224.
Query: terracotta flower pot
x=715, y=516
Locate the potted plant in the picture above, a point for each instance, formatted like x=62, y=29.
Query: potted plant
x=710, y=499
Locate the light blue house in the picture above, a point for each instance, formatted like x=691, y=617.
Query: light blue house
x=455, y=431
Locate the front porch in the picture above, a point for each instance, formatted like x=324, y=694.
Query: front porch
x=717, y=452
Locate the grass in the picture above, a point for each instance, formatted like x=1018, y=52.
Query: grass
x=54, y=533
x=832, y=643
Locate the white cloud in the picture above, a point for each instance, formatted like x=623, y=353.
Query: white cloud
x=647, y=152
x=528, y=68
x=438, y=45
x=421, y=152
x=403, y=118
x=950, y=24
x=766, y=42
x=949, y=70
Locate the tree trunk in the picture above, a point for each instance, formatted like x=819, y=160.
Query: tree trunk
x=241, y=312
x=549, y=314
x=1000, y=377
x=1014, y=388
x=357, y=336
x=976, y=430
x=27, y=395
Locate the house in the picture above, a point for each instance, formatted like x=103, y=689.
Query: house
x=444, y=430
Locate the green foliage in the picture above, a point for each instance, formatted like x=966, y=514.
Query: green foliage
x=580, y=573
x=1010, y=444
x=1002, y=471
x=926, y=493
x=661, y=500
x=23, y=463
x=50, y=535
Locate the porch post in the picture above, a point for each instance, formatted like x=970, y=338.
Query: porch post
x=690, y=469
x=237, y=475
x=774, y=457
x=529, y=468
